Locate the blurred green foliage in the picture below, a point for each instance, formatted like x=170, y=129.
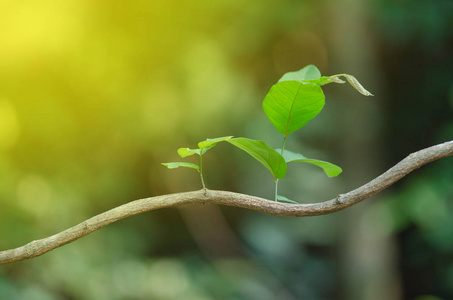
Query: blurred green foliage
x=95, y=94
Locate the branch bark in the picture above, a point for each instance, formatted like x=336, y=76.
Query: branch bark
x=342, y=201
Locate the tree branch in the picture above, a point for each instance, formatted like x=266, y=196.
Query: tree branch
x=407, y=165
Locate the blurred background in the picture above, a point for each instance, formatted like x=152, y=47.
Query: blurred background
x=94, y=95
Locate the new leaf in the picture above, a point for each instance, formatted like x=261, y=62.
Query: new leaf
x=336, y=79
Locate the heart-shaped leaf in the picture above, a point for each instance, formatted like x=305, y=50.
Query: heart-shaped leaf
x=259, y=150
x=174, y=165
x=307, y=73
x=289, y=105
x=330, y=169
x=212, y=142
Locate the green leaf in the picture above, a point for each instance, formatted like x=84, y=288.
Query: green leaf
x=174, y=165
x=212, y=142
x=331, y=170
x=284, y=199
x=270, y=158
x=289, y=105
x=204, y=146
x=184, y=152
x=306, y=73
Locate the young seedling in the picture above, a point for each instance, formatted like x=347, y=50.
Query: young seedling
x=295, y=100
x=203, y=147
x=290, y=104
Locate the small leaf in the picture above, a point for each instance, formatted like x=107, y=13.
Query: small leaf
x=212, y=142
x=330, y=169
x=184, y=152
x=284, y=199
x=259, y=150
x=352, y=81
x=174, y=165
x=336, y=80
x=289, y=105
x=306, y=73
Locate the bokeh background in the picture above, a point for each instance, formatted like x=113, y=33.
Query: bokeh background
x=95, y=94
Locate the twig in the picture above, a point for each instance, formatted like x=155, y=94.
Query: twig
x=407, y=165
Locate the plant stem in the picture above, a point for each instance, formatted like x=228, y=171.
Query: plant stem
x=283, y=146
x=276, y=179
x=201, y=171
x=276, y=188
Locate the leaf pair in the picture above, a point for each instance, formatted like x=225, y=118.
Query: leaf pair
x=276, y=163
x=203, y=147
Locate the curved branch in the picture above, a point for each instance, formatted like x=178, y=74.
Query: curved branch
x=407, y=165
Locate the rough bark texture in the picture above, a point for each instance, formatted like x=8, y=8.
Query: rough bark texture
x=407, y=165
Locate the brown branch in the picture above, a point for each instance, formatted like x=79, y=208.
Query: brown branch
x=407, y=165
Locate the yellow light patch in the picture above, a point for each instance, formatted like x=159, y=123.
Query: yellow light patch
x=9, y=125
